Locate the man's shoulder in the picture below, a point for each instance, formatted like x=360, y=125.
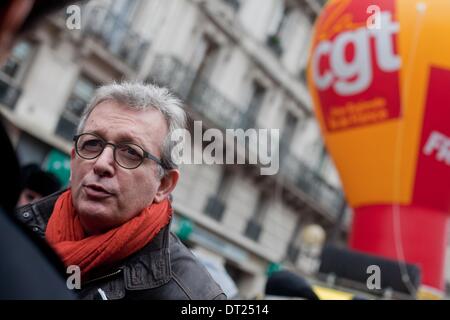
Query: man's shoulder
x=184, y=270
x=30, y=269
x=44, y=204
x=190, y=274
x=36, y=214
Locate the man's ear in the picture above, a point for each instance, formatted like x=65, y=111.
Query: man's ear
x=168, y=183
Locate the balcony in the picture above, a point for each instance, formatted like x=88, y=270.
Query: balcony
x=311, y=183
x=196, y=91
x=9, y=94
x=207, y=100
x=170, y=72
x=117, y=36
x=202, y=97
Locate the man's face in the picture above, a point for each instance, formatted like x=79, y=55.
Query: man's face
x=104, y=194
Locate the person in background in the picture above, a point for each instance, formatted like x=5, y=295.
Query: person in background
x=29, y=269
x=37, y=183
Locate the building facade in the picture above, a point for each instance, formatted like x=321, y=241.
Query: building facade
x=235, y=64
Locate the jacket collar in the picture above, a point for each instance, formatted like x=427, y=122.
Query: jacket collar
x=148, y=268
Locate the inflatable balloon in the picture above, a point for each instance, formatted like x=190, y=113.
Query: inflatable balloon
x=379, y=77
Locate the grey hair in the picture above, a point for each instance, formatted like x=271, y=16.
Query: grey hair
x=142, y=96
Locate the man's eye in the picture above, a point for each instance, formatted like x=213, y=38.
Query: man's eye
x=90, y=144
x=130, y=152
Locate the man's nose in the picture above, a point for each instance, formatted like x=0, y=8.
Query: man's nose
x=104, y=164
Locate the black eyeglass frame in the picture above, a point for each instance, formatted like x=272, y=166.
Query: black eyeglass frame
x=147, y=155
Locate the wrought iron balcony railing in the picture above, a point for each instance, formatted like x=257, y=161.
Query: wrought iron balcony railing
x=210, y=103
x=311, y=182
x=117, y=36
x=196, y=91
x=168, y=71
x=207, y=100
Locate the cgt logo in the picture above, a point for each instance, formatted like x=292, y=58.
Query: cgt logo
x=346, y=63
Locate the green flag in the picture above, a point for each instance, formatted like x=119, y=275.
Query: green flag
x=58, y=163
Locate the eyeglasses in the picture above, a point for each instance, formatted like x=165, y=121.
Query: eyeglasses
x=127, y=155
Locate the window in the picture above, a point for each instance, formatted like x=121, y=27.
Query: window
x=81, y=94
x=205, y=57
x=323, y=156
x=259, y=92
x=290, y=124
x=15, y=66
x=12, y=74
x=303, y=75
x=277, y=19
x=122, y=13
x=215, y=206
x=293, y=248
x=274, y=34
x=235, y=4
x=113, y=27
x=125, y=9
x=255, y=223
x=292, y=252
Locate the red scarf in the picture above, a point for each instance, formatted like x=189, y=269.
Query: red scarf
x=66, y=236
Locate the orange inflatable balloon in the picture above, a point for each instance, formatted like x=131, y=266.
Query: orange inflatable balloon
x=379, y=77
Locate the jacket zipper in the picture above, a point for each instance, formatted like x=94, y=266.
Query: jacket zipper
x=103, y=277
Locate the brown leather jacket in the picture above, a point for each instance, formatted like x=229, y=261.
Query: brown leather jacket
x=164, y=269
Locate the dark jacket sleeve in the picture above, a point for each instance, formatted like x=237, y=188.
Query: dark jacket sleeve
x=28, y=267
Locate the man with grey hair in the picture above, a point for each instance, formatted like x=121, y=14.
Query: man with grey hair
x=112, y=224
